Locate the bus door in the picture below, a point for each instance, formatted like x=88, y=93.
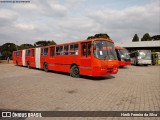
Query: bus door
x=19, y=57
x=32, y=58
x=85, y=61
x=44, y=56
x=51, y=58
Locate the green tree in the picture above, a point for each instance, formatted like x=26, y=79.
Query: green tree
x=90, y=37
x=52, y=42
x=102, y=35
x=44, y=43
x=146, y=37
x=6, y=54
x=25, y=46
x=135, y=38
x=7, y=49
x=155, y=37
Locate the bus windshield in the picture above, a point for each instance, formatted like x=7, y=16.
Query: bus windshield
x=124, y=54
x=144, y=54
x=104, y=50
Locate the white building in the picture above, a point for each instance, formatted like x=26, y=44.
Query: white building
x=151, y=45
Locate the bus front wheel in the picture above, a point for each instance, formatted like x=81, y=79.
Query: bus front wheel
x=46, y=67
x=28, y=65
x=16, y=63
x=74, y=71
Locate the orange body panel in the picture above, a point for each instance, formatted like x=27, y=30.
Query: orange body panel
x=17, y=59
x=122, y=63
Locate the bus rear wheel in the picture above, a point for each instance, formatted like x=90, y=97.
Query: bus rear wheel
x=45, y=67
x=28, y=65
x=74, y=71
x=16, y=63
x=121, y=66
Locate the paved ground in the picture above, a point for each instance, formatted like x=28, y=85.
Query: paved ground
x=134, y=88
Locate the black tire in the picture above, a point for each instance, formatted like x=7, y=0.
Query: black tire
x=28, y=65
x=74, y=71
x=16, y=63
x=45, y=67
x=121, y=66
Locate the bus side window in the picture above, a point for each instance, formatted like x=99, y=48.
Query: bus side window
x=88, y=49
x=27, y=52
x=73, y=49
x=59, y=50
x=76, y=49
x=84, y=50
x=51, y=51
x=44, y=51
x=17, y=53
x=65, y=49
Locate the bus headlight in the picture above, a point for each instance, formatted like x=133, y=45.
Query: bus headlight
x=115, y=70
x=122, y=56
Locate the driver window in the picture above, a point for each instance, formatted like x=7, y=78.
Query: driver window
x=88, y=49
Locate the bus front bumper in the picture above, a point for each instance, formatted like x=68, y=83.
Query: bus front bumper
x=104, y=71
x=124, y=63
x=144, y=62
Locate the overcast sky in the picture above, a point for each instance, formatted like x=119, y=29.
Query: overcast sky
x=73, y=20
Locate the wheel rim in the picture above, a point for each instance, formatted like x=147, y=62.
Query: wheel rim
x=76, y=71
x=46, y=67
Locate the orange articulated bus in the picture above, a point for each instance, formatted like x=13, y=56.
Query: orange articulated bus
x=123, y=56
x=94, y=57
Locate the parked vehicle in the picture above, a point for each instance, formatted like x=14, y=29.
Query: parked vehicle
x=123, y=56
x=94, y=57
x=155, y=58
x=141, y=57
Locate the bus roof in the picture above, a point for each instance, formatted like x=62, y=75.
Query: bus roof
x=81, y=41
x=119, y=48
